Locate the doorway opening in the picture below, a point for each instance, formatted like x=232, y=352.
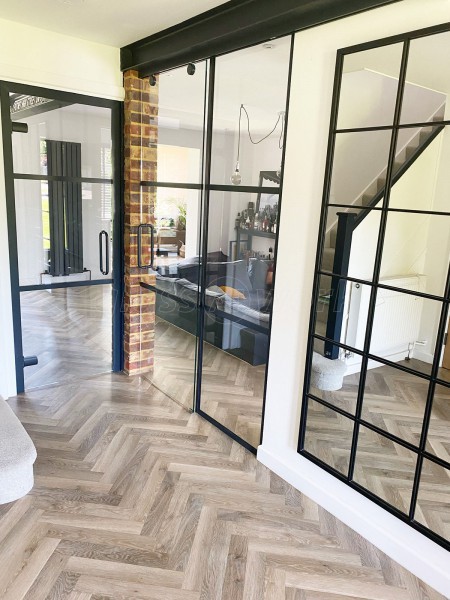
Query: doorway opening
x=62, y=171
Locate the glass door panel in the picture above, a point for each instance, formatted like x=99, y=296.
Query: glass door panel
x=64, y=208
x=69, y=331
x=181, y=107
x=176, y=221
x=53, y=120
x=238, y=304
x=249, y=112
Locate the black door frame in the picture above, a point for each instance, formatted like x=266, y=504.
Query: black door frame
x=117, y=241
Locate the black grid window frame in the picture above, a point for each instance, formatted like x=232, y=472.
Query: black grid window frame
x=116, y=108
x=205, y=187
x=374, y=283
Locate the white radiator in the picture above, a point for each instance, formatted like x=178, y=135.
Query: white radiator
x=397, y=317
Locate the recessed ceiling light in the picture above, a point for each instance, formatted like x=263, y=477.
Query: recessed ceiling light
x=71, y=2
x=268, y=45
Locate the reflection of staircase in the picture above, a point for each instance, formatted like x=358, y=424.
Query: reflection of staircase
x=336, y=252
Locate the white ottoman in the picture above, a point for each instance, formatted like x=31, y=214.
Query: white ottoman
x=17, y=456
x=327, y=374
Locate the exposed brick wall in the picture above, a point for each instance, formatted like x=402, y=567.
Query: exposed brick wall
x=140, y=139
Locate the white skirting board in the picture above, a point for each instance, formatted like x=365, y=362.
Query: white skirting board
x=425, y=559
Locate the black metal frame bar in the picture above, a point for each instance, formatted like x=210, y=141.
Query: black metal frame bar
x=67, y=178
x=116, y=108
x=233, y=26
x=433, y=376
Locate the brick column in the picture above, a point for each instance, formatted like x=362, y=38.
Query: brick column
x=140, y=140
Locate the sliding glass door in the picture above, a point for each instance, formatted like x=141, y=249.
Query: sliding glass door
x=212, y=236
x=64, y=233
x=171, y=236
x=246, y=141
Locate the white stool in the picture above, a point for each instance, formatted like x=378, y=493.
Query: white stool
x=327, y=374
x=17, y=456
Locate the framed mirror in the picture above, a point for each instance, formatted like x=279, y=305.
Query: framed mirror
x=377, y=380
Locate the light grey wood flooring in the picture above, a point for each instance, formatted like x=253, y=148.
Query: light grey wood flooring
x=69, y=330
x=135, y=498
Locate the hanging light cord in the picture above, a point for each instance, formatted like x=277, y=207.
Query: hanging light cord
x=248, y=127
x=280, y=141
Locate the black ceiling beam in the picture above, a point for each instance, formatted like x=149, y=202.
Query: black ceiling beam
x=231, y=26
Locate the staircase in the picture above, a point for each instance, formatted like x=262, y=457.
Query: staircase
x=347, y=219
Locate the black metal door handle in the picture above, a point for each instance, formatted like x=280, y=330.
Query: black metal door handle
x=104, y=235
x=141, y=227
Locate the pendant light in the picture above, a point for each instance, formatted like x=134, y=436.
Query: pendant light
x=236, y=177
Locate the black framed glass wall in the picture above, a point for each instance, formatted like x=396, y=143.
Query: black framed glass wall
x=246, y=139
x=228, y=149
x=175, y=230
x=62, y=167
x=377, y=373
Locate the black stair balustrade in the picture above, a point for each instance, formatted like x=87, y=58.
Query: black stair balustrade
x=344, y=233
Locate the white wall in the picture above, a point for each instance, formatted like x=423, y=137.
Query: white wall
x=46, y=59
x=311, y=92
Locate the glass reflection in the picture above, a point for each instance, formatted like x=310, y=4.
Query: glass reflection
x=433, y=500
x=438, y=438
x=328, y=436
x=180, y=117
x=385, y=468
x=248, y=123
x=238, y=296
x=395, y=401
x=341, y=314
x=88, y=127
x=355, y=234
x=416, y=252
x=424, y=97
x=369, y=87
x=359, y=168
x=405, y=325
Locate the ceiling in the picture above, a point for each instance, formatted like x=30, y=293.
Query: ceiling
x=112, y=22
x=256, y=77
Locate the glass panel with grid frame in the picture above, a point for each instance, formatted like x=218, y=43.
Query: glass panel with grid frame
x=414, y=258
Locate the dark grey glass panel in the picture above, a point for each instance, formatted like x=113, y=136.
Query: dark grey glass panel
x=328, y=436
x=385, y=468
x=369, y=87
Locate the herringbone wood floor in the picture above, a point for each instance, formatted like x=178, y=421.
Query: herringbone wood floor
x=69, y=330
x=395, y=402
x=232, y=389
x=135, y=498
